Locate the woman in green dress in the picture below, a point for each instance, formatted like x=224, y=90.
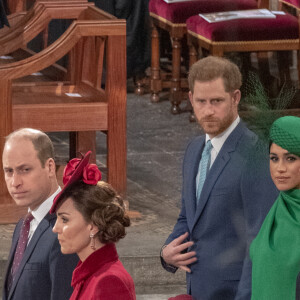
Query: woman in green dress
x=275, y=252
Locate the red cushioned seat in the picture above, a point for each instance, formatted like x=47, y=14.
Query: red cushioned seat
x=283, y=27
x=180, y=11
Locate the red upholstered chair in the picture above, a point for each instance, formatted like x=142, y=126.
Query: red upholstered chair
x=171, y=17
x=246, y=35
x=293, y=6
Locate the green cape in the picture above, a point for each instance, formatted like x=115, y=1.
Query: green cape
x=275, y=252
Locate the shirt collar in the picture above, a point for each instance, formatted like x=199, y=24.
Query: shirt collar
x=218, y=141
x=44, y=208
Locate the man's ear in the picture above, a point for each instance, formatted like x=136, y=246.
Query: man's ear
x=236, y=95
x=50, y=165
x=191, y=97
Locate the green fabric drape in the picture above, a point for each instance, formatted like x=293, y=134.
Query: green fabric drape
x=275, y=252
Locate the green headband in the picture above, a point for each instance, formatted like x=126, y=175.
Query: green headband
x=285, y=132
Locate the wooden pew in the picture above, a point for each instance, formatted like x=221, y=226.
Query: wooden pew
x=94, y=39
x=16, y=6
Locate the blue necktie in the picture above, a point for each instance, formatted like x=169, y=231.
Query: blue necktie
x=203, y=169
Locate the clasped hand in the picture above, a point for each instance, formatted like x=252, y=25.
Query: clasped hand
x=172, y=253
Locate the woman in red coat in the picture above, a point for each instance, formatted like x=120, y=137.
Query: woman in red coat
x=91, y=218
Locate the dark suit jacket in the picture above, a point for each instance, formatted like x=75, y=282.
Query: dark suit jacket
x=298, y=288
x=237, y=194
x=44, y=273
x=3, y=18
x=138, y=31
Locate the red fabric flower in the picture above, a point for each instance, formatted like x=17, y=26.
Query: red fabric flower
x=69, y=169
x=91, y=174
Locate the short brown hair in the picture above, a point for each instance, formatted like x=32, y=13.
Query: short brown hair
x=40, y=140
x=213, y=67
x=101, y=205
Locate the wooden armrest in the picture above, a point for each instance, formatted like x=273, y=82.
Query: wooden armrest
x=50, y=55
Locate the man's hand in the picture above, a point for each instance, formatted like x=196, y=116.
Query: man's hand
x=172, y=253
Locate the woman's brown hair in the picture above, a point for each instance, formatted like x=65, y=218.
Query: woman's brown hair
x=101, y=205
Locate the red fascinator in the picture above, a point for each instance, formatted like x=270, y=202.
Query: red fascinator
x=77, y=169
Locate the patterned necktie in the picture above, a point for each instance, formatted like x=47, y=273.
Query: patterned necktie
x=203, y=168
x=22, y=243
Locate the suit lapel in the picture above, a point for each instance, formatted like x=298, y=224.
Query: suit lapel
x=14, y=245
x=219, y=164
x=11, y=257
x=213, y=175
x=190, y=185
x=42, y=227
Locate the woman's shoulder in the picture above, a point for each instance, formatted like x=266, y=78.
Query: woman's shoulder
x=114, y=282
x=115, y=271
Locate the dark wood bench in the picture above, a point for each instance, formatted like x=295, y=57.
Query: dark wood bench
x=93, y=40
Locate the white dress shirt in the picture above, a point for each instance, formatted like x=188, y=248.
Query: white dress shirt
x=40, y=213
x=219, y=140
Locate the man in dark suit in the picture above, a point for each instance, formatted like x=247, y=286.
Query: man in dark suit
x=138, y=32
x=227, y=190
x=3, y=18
x=41, y=271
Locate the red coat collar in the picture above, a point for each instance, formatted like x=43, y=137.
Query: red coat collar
x=94, y=262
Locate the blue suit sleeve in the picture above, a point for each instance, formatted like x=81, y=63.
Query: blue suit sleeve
x=61, y=269
x=180, y=228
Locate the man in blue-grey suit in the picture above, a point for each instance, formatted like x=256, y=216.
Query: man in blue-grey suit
x=41, y=271
x=227, y=190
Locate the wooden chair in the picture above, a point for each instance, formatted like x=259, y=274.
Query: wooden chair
x=171, y=18
x=294, y=7
x=247, y=35
x=93, y=40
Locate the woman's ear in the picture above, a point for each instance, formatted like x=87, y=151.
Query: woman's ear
x=93, y=229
